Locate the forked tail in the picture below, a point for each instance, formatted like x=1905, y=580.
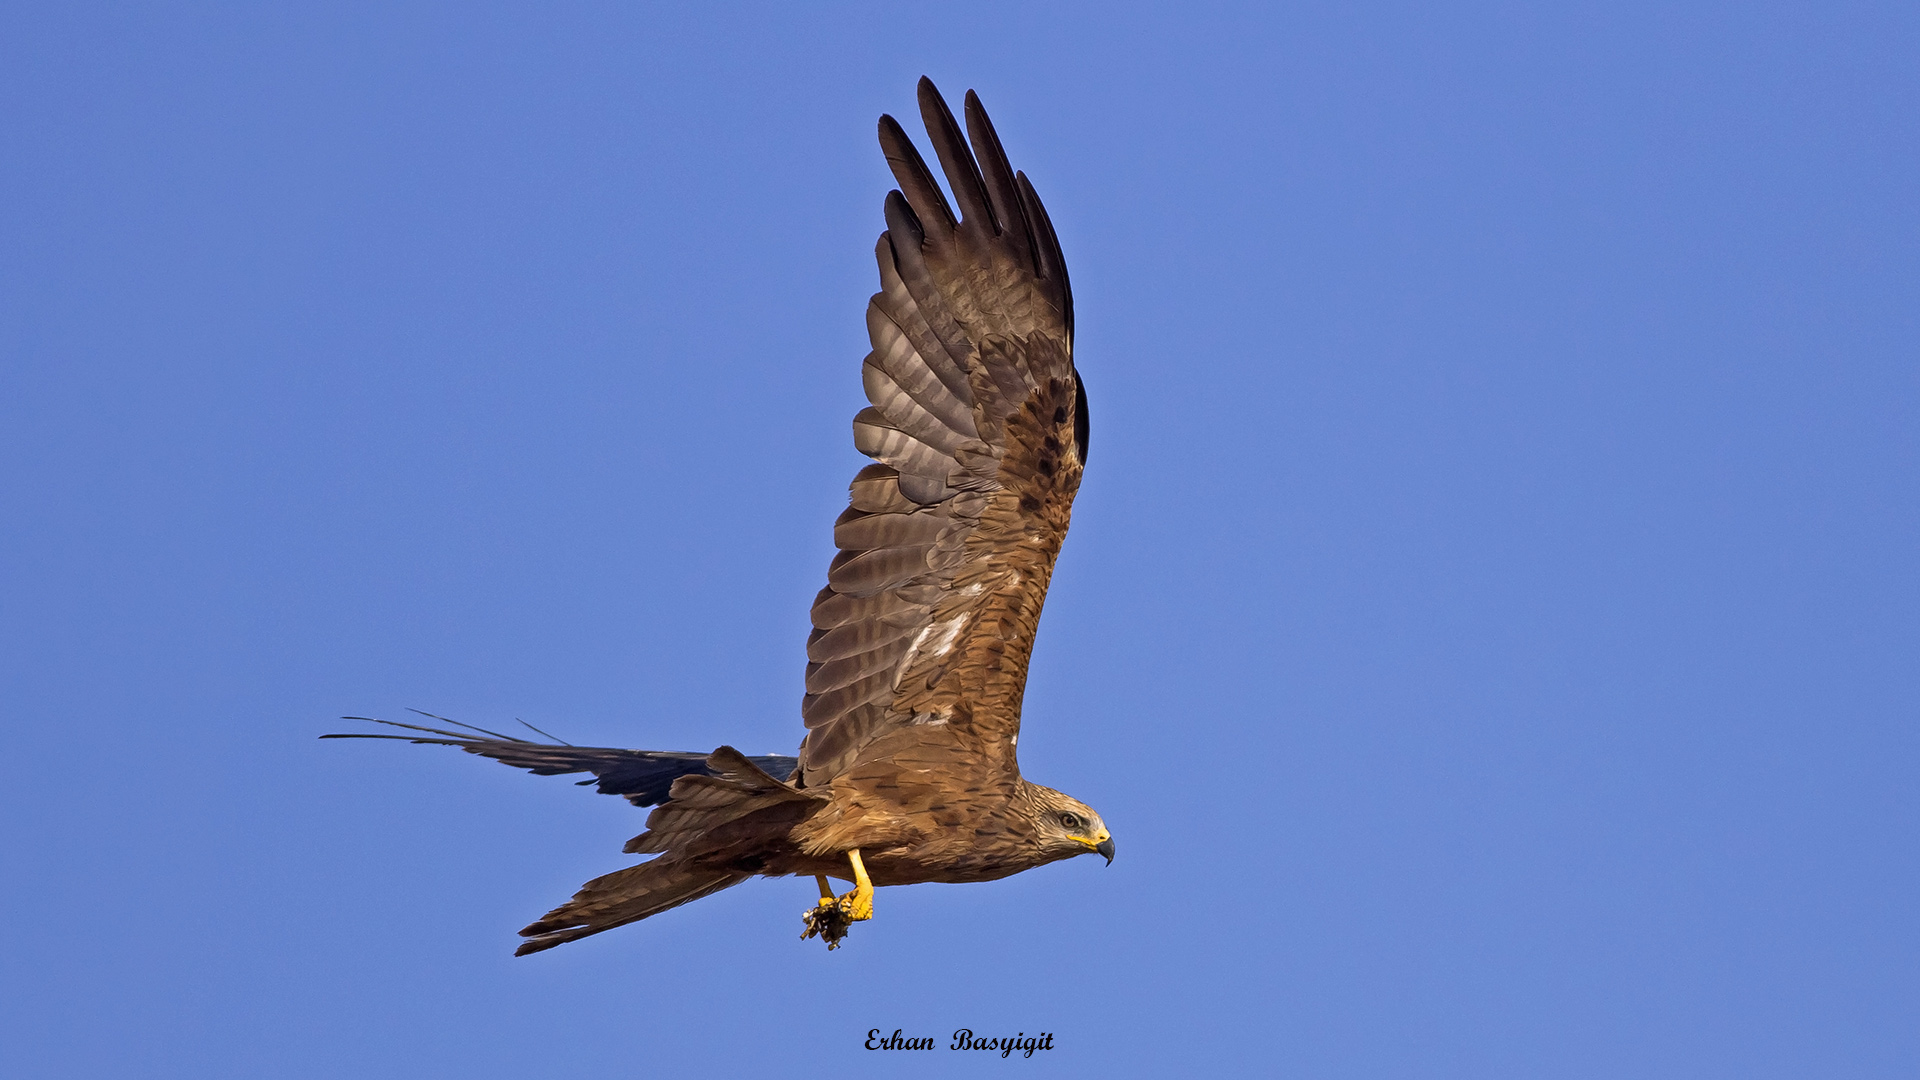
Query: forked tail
x=622, y=897
x=718, y=818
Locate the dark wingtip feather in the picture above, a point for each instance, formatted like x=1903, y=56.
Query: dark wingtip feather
x=901, y=219
x=543, y=734
x=998, y=172
x=457, y=723
x=915, y=179
x=956, y=160
x=643, y=777
x=416, y=727
x=1053, y=264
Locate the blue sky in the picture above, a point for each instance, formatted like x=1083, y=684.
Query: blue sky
x=1489, y=624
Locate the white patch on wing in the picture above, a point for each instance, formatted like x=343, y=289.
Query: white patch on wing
x=942, y=635
x=944, y=641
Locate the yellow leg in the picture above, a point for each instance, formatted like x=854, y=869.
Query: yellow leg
x=831, y=917
x=860, y=900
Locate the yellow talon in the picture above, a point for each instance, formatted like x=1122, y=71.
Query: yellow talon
x=858, y=904
x=830, y=918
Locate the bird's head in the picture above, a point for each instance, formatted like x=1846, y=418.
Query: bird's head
x=1066, y=827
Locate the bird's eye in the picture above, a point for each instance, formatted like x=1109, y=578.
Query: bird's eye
x=1071, y=821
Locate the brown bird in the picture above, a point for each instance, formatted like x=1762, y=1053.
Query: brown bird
x=918, y=656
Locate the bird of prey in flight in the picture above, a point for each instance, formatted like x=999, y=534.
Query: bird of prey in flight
x=917, y=663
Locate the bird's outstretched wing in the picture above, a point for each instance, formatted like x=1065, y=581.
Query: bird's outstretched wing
x=644, y=777
x=978, y=427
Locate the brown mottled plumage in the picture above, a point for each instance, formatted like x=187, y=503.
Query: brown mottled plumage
x=918, y=659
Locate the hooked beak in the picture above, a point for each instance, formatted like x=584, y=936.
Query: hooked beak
x=1105, y=847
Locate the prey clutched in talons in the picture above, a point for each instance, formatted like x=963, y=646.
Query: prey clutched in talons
x=834, y=915
x=829, y=920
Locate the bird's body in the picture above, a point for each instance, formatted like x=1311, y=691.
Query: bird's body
x=918, y=658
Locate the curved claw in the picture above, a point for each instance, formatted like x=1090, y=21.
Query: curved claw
x=858, y=904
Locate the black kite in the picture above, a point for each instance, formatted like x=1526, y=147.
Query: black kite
x=918, y=657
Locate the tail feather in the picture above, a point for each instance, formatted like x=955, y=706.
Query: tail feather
x=622, y=897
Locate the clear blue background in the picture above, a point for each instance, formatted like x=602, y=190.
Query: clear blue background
x=1489, y=627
